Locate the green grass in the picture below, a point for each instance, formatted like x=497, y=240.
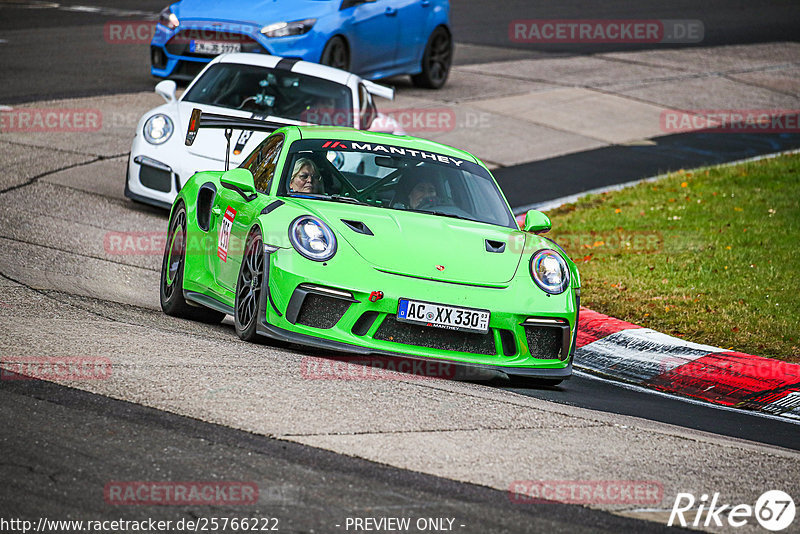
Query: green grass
x=710, y=255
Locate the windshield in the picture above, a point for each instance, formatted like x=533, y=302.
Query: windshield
x=275, y=92
x=389, y=177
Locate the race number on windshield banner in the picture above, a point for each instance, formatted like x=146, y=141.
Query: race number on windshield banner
x=225, y=233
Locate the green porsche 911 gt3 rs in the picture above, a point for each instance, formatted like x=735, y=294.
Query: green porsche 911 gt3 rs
x=371, y=244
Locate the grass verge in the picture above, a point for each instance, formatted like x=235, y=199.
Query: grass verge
x=708, y=255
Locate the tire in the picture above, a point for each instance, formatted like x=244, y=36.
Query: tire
x=171, y=285
x=436, y=60
x=247, y=306
x=336, y=54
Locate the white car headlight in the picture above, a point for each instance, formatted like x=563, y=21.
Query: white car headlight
x=284, y=29
x=550, y=271
x=158, y=129
x=312, y=238
x=168, y=18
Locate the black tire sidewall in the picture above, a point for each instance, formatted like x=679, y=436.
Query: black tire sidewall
x=175, y=304
x=336, y=40
x=423, y=79
x=251, y=332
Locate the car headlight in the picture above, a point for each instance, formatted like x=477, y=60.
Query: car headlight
x=168, y=18
x=284, y=29
x=312, y=238
x=157, y=129
x=550, y=271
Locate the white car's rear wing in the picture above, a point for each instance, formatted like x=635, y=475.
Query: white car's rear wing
x=379, y=90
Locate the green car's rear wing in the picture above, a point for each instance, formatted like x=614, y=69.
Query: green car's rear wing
x=212, y=120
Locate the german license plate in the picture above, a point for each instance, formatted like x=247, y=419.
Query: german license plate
x=443, y=316
x=213, y=48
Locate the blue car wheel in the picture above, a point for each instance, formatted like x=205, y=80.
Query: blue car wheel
x=436, y=60
x=335, y=54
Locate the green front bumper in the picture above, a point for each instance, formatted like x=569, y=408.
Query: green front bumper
x=342, y=317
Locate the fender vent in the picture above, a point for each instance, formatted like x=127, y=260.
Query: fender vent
x=495, y=246
x=358, y=226
x=268, y=208
x=205, y=201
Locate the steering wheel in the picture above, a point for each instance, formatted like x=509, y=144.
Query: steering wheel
x=429, y=202
x=349, y=189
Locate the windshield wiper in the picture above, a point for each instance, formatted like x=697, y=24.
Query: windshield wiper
x=334, y=198
x=441, y=213
x=342, y=198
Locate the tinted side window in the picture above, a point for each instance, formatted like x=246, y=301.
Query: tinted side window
x=262, y=162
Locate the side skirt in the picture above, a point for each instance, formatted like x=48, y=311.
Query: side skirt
x=208, y=302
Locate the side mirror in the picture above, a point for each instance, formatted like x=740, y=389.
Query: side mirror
x=537, y=222
x=241, y=181
x=167, y=90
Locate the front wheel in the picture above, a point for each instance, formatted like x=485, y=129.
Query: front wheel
x=248, y=288
x=172, y=267
x=436, y=60
x=335, y=54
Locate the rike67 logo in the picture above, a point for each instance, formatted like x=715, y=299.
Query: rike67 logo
x=774, y=510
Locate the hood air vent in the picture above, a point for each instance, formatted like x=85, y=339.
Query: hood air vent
x=358, y=226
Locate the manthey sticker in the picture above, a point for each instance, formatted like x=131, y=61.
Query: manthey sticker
x=390, y=150
x=225, y=233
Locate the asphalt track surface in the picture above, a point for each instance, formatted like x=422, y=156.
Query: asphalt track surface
x=61, y=52
x=58, y=471
x=587, y=391
x=588, y=170
x=66, y=443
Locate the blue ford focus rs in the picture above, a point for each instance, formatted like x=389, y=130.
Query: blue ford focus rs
x=371, y=38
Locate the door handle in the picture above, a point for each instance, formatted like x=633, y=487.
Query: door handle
x=216, y=210
x=426, y=3
x=390, y=12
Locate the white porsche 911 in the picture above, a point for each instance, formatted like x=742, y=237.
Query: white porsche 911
x=274, y=89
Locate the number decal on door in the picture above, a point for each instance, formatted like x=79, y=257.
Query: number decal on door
x=225, y=233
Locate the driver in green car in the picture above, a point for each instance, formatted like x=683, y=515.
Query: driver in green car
x=423, y=193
